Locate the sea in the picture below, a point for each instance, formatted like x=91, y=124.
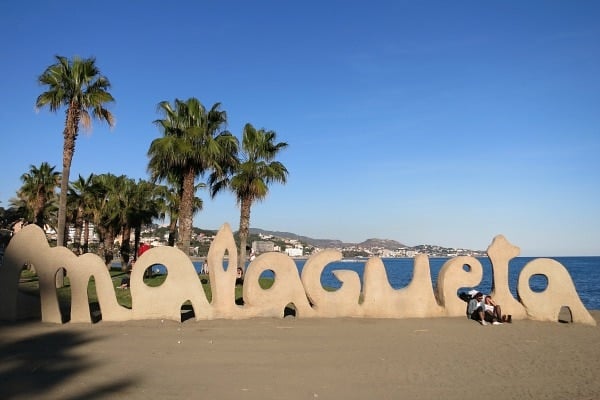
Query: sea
x=585, y=272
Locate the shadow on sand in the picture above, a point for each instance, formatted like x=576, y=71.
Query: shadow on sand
x=42, y=366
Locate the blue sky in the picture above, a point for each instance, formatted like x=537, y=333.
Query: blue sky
x=425, y=122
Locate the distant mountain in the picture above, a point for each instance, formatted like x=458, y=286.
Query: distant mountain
x=331, y=243
x=383, y=243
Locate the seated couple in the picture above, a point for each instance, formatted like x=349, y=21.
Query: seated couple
x=483, y=309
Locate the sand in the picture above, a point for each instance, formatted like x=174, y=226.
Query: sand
x=441, y=358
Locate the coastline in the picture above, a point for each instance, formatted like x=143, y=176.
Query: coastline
x=299, y=359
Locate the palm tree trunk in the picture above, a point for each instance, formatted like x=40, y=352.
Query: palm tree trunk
x=62, y=200
x=70, y=134
x=78, y=229
x=102, y=232
x=66, y=235
x=185, y=212
x=86, y=235
x=68, y=148
x=108, y=248
x=172, y=231
x=40, y=204
x=243, y=231
x=125, y=247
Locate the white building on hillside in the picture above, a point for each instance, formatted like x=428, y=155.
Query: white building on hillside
x=294, y=251
x=262, y=246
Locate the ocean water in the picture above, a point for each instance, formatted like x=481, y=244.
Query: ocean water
x=585, y=272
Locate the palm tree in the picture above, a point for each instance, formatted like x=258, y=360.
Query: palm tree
x=38, y=190
x=107, y=210
x=193, y=143
x=9, y=216
x=127, y=207
x=81, y=195
x=252, y=177
x=169, y=206
x=77, y=85
x=143, y=206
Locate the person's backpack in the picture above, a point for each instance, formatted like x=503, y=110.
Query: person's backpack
x=465, y=296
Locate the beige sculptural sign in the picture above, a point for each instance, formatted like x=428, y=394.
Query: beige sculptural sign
x=375, y=298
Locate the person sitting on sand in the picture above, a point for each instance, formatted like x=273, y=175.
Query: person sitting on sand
x=494, y=309
x=476, y=310
x=125, y=281
x=239, y=279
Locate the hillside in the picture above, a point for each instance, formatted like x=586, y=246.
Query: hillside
x=332, y=243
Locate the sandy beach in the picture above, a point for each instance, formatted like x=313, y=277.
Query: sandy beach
x=437, y=358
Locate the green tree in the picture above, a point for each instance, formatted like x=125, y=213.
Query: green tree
x=254, y=173
x=106, y=209
x=77, y=85
x=81, y=196
x=169, y=206
x=127, y=200
x=193, y=143
x=144, y=204
x=38, y=190
x=9, y=216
